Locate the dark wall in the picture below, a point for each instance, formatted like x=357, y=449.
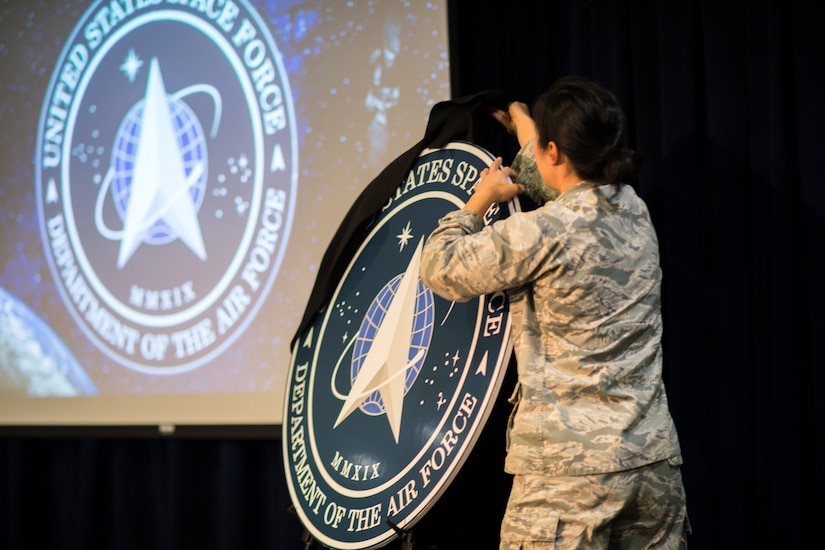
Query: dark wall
x=723, y=102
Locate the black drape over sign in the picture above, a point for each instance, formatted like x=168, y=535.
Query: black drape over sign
x=724, y=102
x=463, y=119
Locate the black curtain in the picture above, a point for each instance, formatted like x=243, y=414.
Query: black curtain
x=723, y=103
x=84, y=493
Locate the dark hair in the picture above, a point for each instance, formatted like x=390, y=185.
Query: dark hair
x=587, y=124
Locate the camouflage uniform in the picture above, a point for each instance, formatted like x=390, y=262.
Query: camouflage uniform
x=585, y=285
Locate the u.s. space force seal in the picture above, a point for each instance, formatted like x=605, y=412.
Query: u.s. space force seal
x=390, y=386
x=166, y=172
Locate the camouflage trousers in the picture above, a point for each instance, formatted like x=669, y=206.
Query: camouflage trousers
x=634, y=509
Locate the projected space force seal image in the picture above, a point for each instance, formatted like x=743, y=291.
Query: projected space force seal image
x=390, y=385
x=166, y=177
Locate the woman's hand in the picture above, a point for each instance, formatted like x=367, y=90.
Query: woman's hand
x=518, y=112
x=517, y=120
x=504, y=118
x=493, y=186
x=522, y=123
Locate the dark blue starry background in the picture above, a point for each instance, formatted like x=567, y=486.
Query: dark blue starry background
x=329, y=52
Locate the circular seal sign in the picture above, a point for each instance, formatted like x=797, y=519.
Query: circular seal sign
x=389, y=387
x=166, y=172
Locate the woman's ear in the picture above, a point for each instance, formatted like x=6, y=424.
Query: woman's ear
x=553, y=153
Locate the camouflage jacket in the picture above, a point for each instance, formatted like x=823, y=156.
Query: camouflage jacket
x=585, y=286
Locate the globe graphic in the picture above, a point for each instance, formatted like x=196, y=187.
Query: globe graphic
x=34, y=361
x=191, y=143
x=420, y=337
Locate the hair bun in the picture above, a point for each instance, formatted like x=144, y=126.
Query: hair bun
x=621, y=165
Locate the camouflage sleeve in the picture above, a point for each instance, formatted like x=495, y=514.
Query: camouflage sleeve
x=437, y=253
x=528, y=175
x=462, y=260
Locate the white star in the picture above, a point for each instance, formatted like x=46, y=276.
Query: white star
x=404, y=237
x=385, y=367
x=160, y=187
x=131, y=65
x=51, y=192
x=308, y=339
x=440, y=401
x=482, y=365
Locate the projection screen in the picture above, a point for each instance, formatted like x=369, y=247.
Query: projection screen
x=172, y=172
